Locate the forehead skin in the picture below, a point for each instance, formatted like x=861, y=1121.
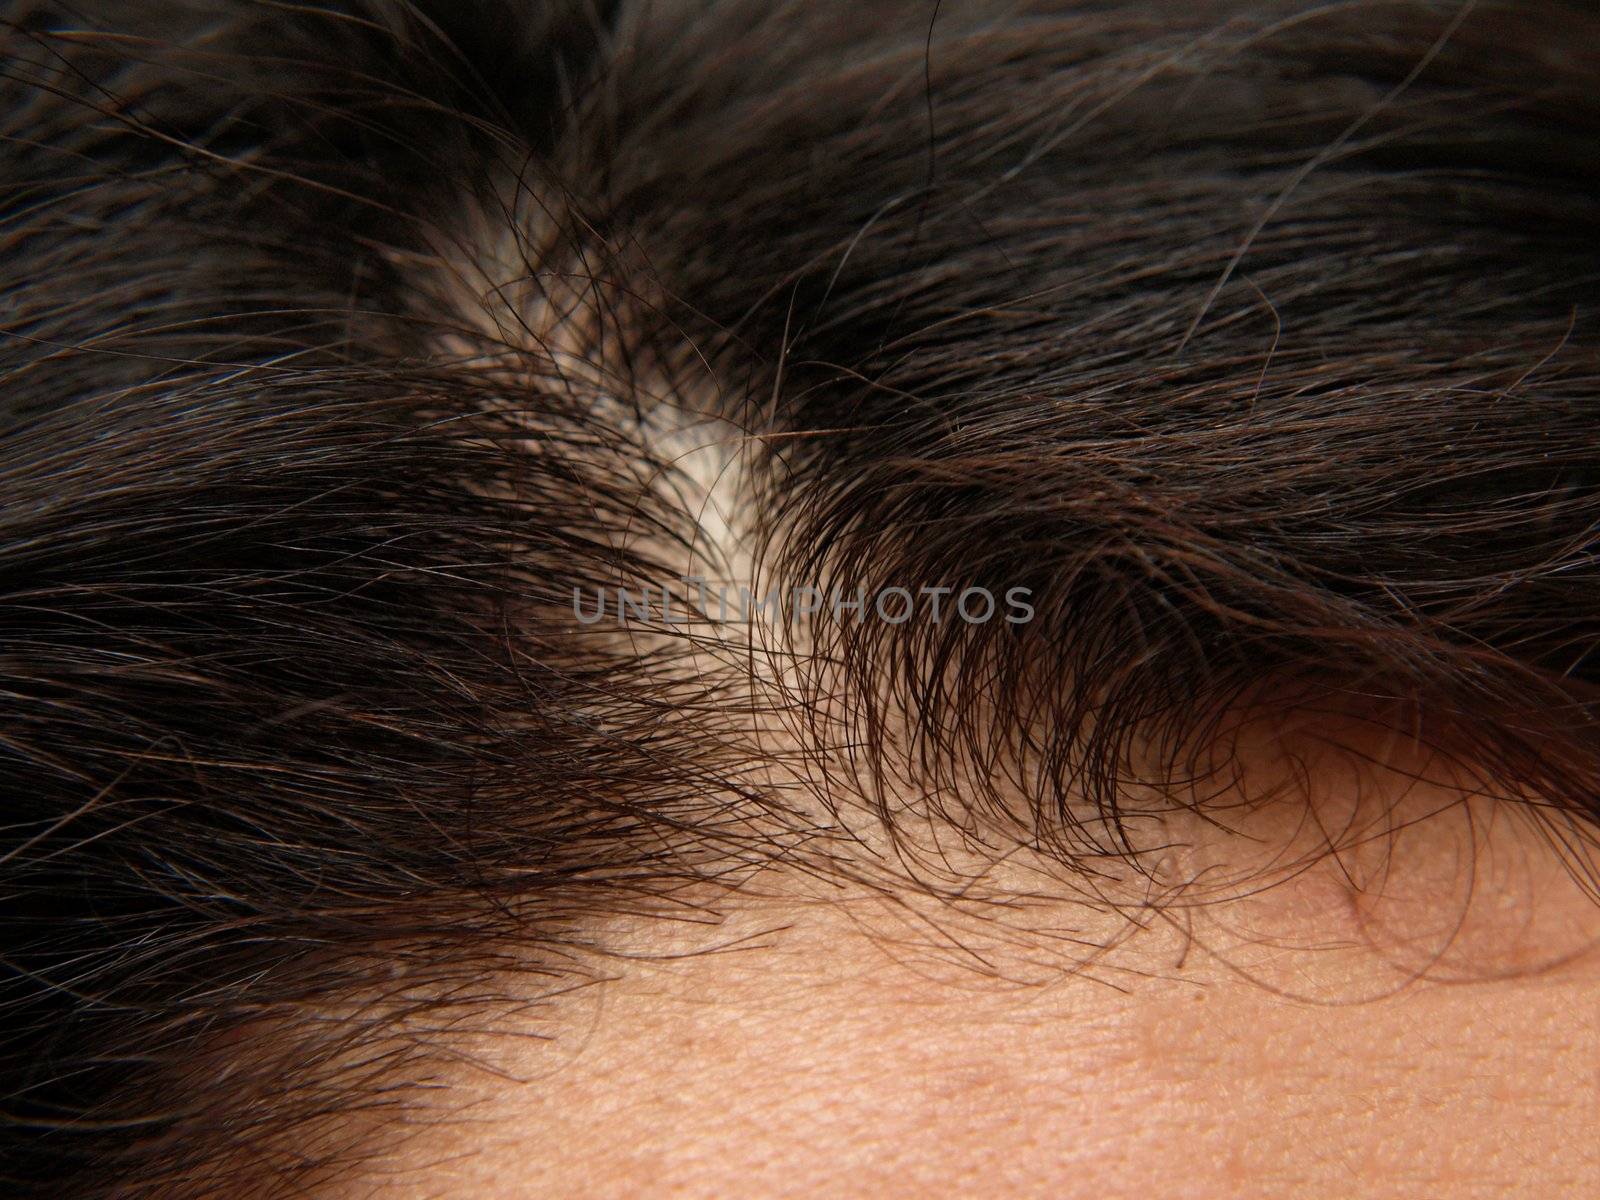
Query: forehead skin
x=1381, y=1024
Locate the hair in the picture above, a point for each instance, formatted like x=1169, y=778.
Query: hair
x=344, y=343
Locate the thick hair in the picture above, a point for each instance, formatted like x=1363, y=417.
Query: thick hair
x=344, y=342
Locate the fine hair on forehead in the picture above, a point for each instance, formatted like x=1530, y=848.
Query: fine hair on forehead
x=342, y=345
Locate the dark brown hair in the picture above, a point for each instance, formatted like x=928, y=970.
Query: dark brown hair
x=1257, y=341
